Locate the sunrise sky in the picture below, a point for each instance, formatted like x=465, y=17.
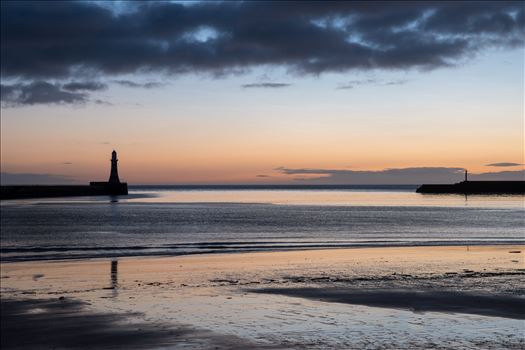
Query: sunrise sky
x=261, y=92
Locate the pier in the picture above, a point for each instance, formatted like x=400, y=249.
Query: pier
x=112, y=187
x=475, y=187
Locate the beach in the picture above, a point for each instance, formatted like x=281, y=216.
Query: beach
x=262, y=175
x=383, y=297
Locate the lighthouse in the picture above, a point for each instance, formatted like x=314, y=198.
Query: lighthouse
x=113, y=186
x=113, y=177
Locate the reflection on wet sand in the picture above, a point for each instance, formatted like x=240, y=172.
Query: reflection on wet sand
x=114, y=277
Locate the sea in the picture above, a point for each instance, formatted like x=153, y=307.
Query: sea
x=179, y=220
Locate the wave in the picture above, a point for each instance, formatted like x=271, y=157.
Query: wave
x=14, y=254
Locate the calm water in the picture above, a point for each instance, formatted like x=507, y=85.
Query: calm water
x=191, y=220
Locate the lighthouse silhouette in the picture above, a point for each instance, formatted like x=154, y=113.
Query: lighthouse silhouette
x=113, y=186
x=113, y=177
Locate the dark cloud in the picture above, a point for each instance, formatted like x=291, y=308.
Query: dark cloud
x=67, y=163
x=396, y=82
x=265, y=85
x=350, y=84
x=393, y=176
x=504, y=164
x=262, y=175
x=102, y=102
x=133, y=84
x=34, y=179
x=84, y=86
x=39, y=92
x=517, y=175
x=67, y=40
x=353, y=83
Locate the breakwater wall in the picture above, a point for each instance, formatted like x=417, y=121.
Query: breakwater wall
x=43, y=191
x=476, y=187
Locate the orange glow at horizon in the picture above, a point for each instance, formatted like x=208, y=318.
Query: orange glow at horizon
x=177, y=153
x=212, y=131
x=223, y=164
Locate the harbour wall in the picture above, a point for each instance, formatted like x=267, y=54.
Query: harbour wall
x=43, y=191
x=476, y=187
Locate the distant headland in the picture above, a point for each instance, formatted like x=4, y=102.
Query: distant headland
x=98, y=188
x=475, y=187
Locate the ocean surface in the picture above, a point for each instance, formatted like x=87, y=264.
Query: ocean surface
x=176, y=220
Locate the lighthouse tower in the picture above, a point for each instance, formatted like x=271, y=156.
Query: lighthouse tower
x=113, y=178
x=112, y=187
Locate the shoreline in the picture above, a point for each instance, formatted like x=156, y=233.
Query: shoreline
x=263, y=251
x=344, y=262
x=291, y=256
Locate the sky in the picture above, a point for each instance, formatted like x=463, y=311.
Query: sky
x=262, y=92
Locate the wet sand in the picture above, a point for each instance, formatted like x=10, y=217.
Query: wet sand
x=417, y=301
x=432, y=297
x=65, y=324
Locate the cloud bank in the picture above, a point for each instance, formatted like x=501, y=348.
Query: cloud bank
x=353, y=83
x=34, y=179
x=85, y=86
x=504, y=164
x=408, y=176
x=39, y=92
x=134, y=84
x=42, y=92
x=70, y=39
x=265, y=85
